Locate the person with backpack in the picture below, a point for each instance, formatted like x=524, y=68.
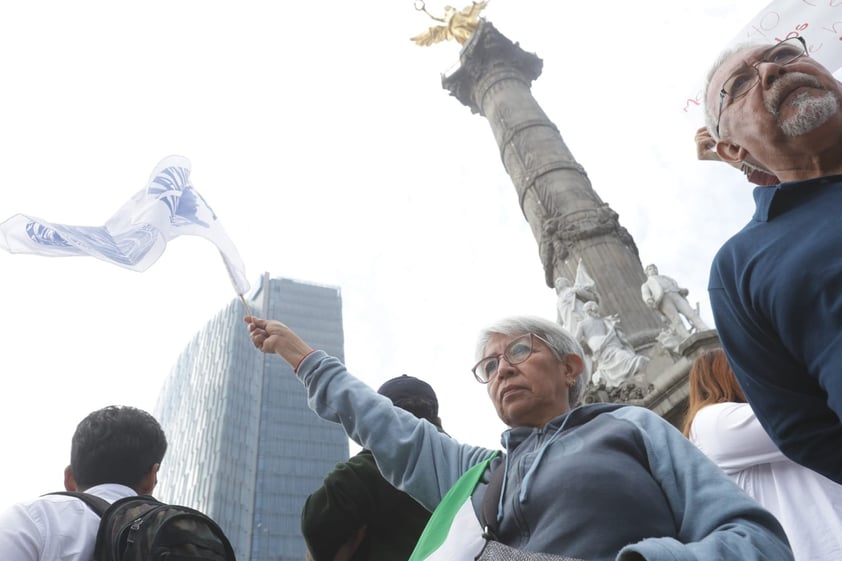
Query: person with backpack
x=115, y=453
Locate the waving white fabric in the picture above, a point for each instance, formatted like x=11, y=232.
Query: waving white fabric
x=137, y=234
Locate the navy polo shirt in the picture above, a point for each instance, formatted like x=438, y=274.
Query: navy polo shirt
x=776, y=293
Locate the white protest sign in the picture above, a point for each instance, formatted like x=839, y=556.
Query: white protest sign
x=818, y=21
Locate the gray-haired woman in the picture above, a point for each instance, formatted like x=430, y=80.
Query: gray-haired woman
x=598, y=482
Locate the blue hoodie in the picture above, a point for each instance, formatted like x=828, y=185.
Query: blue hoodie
x=602, y=482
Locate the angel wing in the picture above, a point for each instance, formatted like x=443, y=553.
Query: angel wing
x=433, y=35
x=472, y=12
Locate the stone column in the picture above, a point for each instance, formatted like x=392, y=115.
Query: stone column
x=567, y=217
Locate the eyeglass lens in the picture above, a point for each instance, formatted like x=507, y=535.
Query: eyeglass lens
x=744, y=79
x=515, y=352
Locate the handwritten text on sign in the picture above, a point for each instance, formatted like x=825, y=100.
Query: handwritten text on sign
x=818, y=21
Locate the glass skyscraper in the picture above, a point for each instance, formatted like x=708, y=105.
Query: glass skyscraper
x=243, y=446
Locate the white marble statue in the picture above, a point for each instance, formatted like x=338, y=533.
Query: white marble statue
x=571, y=297
x=662, y=293
x=613, y=359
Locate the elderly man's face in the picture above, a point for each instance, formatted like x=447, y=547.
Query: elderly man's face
x=793, y=108
x=535, y=391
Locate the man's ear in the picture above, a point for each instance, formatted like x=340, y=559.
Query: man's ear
x=69, y=480
x=147, y=484
x=731, y=153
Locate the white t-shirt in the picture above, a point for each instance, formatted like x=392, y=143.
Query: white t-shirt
x=808, y=505
x=54, y=527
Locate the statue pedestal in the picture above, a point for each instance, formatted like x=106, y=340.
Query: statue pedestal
x=663, y=386
x=697, y=343
x=669, y=396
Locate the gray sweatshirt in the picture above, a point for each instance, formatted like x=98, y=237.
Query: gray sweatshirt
x=603, y=482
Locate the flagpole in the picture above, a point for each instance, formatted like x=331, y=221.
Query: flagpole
x=248, y=309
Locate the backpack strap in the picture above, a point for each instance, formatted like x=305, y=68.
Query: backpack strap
x=488, y=513
x=96, y=504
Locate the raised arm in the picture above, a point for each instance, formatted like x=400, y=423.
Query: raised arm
x=411, y=453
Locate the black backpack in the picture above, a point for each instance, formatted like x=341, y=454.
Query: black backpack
x=141, y=528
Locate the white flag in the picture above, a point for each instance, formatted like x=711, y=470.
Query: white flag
x=137, y=234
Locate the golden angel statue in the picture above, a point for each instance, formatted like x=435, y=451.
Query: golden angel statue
x=458, y=24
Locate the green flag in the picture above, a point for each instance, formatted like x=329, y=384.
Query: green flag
x=454, y=532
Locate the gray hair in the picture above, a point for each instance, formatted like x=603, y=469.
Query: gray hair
x=710, y=116
x=560, y=341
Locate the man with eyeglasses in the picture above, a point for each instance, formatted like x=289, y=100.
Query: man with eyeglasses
x=776, y=286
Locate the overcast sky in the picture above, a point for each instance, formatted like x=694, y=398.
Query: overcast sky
x=324, y=142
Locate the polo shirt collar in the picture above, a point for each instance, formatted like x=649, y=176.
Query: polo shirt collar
x=765, y=197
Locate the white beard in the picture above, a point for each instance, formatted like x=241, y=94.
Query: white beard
x=811, y=112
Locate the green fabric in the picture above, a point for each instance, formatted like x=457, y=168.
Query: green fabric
x=439, y=525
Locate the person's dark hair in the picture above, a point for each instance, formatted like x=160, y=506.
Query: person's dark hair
x=116, y=445
x=711, y=381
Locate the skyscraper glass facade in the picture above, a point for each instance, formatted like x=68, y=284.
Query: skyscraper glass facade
x=244, y=447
